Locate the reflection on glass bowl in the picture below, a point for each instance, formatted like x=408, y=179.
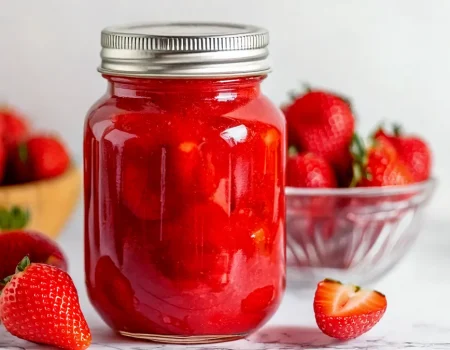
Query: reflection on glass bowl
x=351, y=234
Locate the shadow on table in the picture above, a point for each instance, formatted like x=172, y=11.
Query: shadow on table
x=109, y=340
x=293, y=335
x=283, y=337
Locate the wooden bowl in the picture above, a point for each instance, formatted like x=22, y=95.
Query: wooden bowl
x=43, y=205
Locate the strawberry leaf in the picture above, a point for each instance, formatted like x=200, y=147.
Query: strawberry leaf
x=5, y=281
x=359, y=154
x=4, y=219
x=14, y=219
x=23, y=264
x=292, y=94
x=19, y=218
x=23, y=152
x=307, y=88
x=397, y=129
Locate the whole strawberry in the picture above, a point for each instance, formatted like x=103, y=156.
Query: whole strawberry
x=40, y=304
x=39, y=157
x=412, y=150
x=309, y=170
x=13, y=127
x=322, y=123
x=378, y=164
x=39, y=248
x=347, y=311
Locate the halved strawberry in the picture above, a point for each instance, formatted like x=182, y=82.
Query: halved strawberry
x=347, y=311
x=414, y=152
x=377, y=164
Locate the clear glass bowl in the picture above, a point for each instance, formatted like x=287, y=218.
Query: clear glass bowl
x=351, y=234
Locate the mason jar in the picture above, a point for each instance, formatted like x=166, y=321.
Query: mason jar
x=184, y=163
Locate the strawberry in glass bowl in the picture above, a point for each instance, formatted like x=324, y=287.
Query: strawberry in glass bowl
x=353, y=207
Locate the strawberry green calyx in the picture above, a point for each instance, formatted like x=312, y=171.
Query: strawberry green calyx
x=358, y=149
x=24, y=263
x=295, y=94
x=23, y=152
x=19, y=217
x=397, y=129
x=292, y=94
x=330, y=280
x=21, y=267
x=307, y=88
x=14, y=219
x=5, y=281
x=360, y=159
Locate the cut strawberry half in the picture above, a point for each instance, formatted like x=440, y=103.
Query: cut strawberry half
x=347, y=311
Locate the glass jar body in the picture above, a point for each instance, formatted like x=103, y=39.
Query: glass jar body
x=184, y=208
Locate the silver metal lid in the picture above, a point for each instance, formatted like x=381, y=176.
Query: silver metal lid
x=185, y=50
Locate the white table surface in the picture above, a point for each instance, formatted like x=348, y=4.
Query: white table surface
x=418, y=313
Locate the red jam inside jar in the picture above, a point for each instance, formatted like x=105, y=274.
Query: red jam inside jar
x=184, y=207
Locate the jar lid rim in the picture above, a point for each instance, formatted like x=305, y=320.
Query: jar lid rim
x=185, y=49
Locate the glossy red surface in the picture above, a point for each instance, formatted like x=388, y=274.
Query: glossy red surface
x=184, y=206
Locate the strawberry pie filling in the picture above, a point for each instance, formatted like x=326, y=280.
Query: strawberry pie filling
x=184, y=206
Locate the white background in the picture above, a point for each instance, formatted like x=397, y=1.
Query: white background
x=391, y=57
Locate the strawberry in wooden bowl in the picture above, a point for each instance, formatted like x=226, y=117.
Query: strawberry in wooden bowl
x=39, y=184
x=353, y=205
